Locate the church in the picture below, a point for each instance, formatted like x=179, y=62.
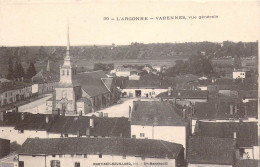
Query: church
x=81, y=93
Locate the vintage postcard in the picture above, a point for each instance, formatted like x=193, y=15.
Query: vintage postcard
x=150, y=83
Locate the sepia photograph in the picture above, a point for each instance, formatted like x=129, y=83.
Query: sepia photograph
x=134, y=83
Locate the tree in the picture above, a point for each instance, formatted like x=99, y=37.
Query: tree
x=21, y=70
x=10, y=74
x=16, y=70
x=31, y=71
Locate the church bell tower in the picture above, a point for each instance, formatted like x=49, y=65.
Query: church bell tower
x=67, y=70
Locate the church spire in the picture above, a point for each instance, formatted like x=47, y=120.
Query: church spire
x=68, y=39
x=67, y=59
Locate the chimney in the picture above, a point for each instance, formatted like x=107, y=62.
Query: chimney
x=22, y=116
x=100, y=114
x=78, y=133
x=169, y=91
x=106, y=115
x=179, y=93
x=91, y=122
x=130, y=108
x=235, y=135
x=245, y=111
x=231, y=109
x=47, y=119
x=216, y=106
x=88, y=132
x=236, y=109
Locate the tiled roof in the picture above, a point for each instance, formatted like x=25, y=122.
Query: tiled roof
x=34, y=122
x=249, y=163
x=108, y=82
x=102, y=126
x=105, y=146
x=246, y=132
x=45, y=77
x=221, y=110
x=156, y=113
x=186, y=94
x=6, y=86
x=210, y=150
x=91, y=82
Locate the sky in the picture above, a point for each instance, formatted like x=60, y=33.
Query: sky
x=38, y=23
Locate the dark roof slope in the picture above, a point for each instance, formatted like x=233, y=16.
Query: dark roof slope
x=210, y=150
x=185, y=94
x=214, y=110
x=105, y=146
x=45, y=77
x=91, y=82
x=246, y=132
x=7, y=86
x=156, y=113
x=113, y=127
x=249, y=163
x=34, y=122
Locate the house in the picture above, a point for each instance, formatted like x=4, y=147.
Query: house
x=12, y=92
x=245, y=134
x=211, y=152
x=222, y=111
x=78, y=152
x=44, y=82
x=158, y=120
x=19, y=126
x=148, y=86
x=239, y=75
x=184, y=97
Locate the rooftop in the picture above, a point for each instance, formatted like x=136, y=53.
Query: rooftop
x=246, y=132
x=105, y=146
x=7, y=86
x=91, y=82
x=156, y=113
x=210, y=150
x=185, y=94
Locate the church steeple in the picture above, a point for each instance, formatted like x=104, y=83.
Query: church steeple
x=67, y=59
x=68, y=41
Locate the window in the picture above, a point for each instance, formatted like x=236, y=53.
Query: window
x=77, y=164
x=20, y=131
x=68, y=72
x=66, y=135
x=53, y=155
x=100, y=155
x=134, y=136
x=143, y=158
x=54, y=163
x=63, y=72
x=141, y=134
x=21, y=164
x=85, y=155
x=60, y=156
x=124, y=156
